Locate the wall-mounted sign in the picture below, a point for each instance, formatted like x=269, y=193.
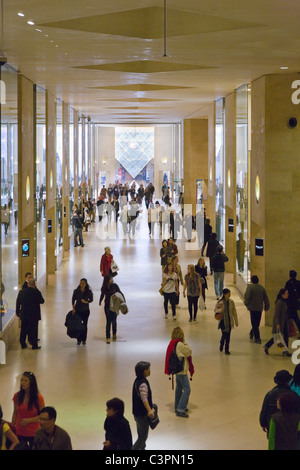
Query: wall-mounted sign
x=25, y=247
x=49, y=225
x=230, y=225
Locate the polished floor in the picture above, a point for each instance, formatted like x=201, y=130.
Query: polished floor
x=227, y=391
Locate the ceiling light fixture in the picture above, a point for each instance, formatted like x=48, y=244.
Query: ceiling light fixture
x=165, y=29
x=284, y=68
x=20, y=14
x=30, y=22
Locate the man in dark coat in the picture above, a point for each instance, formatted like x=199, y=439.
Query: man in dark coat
x=293, y=286
x=30, y=300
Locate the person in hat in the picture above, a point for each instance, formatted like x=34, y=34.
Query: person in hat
x=269, y=407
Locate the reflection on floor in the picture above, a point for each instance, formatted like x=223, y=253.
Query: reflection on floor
x=227, y=391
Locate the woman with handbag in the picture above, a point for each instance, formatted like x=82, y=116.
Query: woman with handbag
x=280, y=322
x=228, y=319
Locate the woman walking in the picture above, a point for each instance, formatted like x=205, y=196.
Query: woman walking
x=165, y=255
x=81, y=299
x=229, y=319
x=170, y=289
x=27, y=405
x=280, y=321
x=201, y=269
x=107, y=290
x=142, y=403
x=193, y=287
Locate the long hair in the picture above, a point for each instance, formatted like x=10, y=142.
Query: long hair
x=105, y=285
x=192, y=270
x=280, y=294
x=177, y=333
x=33, y=392
x=87, y=287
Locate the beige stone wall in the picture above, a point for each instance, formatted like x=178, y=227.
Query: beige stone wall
x=195, y=158
x=275, y=159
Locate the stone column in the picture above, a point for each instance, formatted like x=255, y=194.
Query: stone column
x=195, y=158
x=275, y=182
x=50, y=185
x=26, y=177
x=76, y=169
x=230, y=182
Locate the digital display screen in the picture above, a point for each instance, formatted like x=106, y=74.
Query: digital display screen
x=259, y=246
x=25, y=247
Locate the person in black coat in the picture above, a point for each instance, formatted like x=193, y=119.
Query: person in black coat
x=207, y=234
x=117, y=429
x=81, y=299
x=293, y=287
x=269, y=406
x=30, y=314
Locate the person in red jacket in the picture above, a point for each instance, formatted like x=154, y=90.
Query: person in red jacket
x=105, y=263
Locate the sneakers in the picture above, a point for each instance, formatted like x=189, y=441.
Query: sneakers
x=182, y=414
x=107, y=340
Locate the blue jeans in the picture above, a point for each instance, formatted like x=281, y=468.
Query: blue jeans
x=219, y=282
x=111, y=322
x=182, y=392
x=78, y=233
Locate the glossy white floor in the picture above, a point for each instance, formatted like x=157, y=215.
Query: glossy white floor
x=227, y=391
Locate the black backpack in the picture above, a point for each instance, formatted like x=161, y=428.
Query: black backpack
x=175, y=365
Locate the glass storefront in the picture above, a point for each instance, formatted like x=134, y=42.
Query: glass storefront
x=59, y=178
x=9, y=193
x=219, y=169
x=40, y=158
x=71, y=163
x=242, y=199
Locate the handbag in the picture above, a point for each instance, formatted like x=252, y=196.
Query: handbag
x=201, y=303
x=219, y=312
x=161, y=291
x=153, y=422
x=292, y=328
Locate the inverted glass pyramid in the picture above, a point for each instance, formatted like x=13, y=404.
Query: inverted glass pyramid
x=134, y=147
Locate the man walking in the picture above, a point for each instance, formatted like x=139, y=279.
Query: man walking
x=30, y=300
x=77, y=222
x=293, y=287
x=218, y=266
x=256, y=300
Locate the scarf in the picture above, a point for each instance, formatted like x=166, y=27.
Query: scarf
x=170, y=348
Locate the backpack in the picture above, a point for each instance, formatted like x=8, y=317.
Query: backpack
x=175, y=365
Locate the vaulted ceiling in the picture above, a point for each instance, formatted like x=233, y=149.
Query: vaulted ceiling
x=120, y=62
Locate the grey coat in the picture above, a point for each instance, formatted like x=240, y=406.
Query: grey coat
x=256, y=298
x=280, y=316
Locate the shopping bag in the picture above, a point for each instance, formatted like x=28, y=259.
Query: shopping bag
x=201, y=303
x=279, y=341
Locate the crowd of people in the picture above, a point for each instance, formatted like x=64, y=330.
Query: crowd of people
x=33, y=424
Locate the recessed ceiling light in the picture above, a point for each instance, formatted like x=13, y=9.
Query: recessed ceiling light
x=39, y=30
x=284, y=68
x=20, y=14
x=30, y=22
